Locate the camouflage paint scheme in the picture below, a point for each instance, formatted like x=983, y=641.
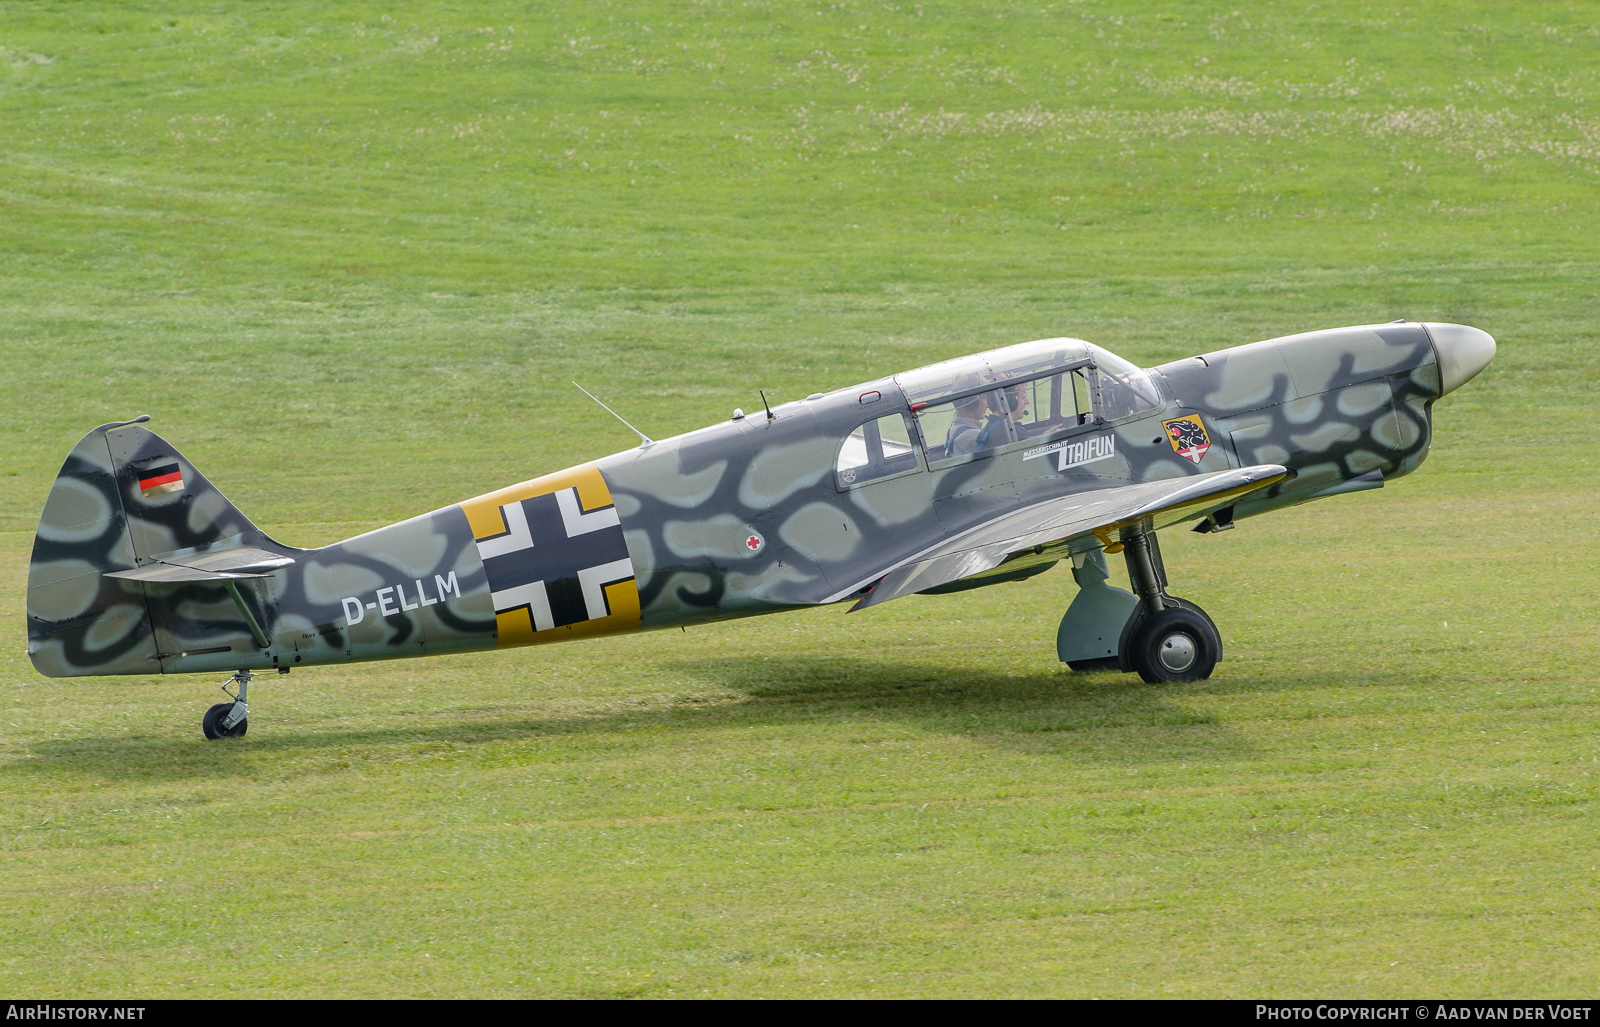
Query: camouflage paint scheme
x=743, y=517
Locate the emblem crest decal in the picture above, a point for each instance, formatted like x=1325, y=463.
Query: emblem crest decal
x=1188, y=437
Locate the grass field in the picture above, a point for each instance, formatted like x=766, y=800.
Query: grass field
x=350, y=256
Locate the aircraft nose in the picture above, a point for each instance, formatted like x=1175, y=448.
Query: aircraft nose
x=1463, y=351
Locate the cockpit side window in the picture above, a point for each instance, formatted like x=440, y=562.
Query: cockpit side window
x=962, y=428
x=971, y=426
x=1044, y=405
x=876, y=449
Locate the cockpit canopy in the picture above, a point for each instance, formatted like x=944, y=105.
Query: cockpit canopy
x=934, y=382
x=975, y=406
x=1125, y=389
x=1038, y=389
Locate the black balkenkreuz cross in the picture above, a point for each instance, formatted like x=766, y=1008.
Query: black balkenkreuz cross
x=557, y=558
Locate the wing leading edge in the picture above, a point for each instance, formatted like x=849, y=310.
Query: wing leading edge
x=1058, y=521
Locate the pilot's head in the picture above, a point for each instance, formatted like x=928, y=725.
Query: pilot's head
x=972, y=406
x=1012, y=400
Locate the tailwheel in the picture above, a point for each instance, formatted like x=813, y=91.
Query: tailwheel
x=1176, y=644
x=229, y=719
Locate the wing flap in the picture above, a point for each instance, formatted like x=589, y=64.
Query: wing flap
x=1097, y=513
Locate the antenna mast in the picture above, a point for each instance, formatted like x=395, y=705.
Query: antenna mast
x=645, y=441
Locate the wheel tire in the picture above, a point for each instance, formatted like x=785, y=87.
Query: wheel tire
x=1177, y=644
x=212, y=723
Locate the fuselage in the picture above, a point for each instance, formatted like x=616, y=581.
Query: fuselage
x=761, y=514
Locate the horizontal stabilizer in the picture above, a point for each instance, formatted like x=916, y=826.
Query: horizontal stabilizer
x=233, y=563
x=1155, y=503
x=166, y=572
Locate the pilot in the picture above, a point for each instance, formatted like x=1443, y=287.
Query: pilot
x=962, y=438
x=1018, y=401
x=1011, y=402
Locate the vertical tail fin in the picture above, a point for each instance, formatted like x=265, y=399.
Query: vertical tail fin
x=124, y=499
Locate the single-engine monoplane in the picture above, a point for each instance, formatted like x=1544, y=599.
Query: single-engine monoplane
x=984, y=469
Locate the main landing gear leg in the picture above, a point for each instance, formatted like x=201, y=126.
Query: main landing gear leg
x=229, y=719
x=1167, y=638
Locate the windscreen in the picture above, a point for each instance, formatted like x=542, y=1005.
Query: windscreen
x=1124, y=388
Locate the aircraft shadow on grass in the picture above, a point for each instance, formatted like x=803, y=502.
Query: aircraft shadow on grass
x=1100, y=718
x=1094, y=718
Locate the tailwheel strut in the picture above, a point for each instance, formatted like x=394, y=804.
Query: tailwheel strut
x=1167, y=638
x=229, y=719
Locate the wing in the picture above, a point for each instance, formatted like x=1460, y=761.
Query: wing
x=1062, y=520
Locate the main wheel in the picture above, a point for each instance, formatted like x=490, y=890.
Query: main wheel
x=1175, y=645
x=212, y=724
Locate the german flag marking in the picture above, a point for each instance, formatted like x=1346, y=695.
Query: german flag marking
x=154, y=481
